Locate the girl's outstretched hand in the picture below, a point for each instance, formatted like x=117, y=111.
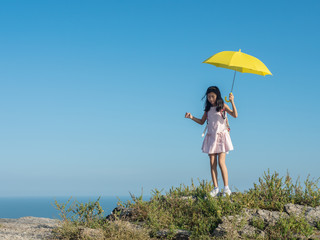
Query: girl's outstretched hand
x=188, y=115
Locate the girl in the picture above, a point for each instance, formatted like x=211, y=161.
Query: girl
x=217, y=141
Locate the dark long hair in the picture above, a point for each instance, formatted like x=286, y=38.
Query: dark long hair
x=219, y=100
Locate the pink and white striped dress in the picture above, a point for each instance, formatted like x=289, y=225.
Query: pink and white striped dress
x=217, y=139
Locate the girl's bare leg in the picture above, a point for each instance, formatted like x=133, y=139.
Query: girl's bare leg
x=223, y=168
x=213, y=165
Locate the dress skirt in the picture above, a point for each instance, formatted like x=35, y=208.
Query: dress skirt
x=217, y=142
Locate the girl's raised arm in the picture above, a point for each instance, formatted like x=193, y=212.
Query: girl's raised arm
x=197, y=120
x=232, y=112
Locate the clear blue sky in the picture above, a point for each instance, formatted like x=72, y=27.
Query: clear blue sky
x=93, y=93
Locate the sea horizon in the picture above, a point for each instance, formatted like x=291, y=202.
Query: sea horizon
x=43, y=206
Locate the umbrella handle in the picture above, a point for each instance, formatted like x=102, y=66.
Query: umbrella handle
x=225, y=98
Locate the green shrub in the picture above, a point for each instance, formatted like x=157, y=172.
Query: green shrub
x=258, y=223
x=88, y=214
x=272, y=192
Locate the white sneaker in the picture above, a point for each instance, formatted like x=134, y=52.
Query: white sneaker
x=226, y=192
x=214, y=192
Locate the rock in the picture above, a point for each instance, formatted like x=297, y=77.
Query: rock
x=226, y=228
x=188, y=197
x=242, y=226
x=182, y=234
x=179, y=234
x=250, y=231
x=165, y=197
x=311, y=214
x=162, y=233
x=27, y=228
x=268, y=217
x=238, y=226
x=123, y=213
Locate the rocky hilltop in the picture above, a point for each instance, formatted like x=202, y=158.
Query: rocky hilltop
x=250, y=222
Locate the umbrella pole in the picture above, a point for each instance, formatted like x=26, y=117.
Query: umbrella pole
x=234, y=77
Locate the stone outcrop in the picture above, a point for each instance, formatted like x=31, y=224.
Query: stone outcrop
x=311, y=214
x=244, y=225
x=179, y=234
x=27, y=228
x=123, y=213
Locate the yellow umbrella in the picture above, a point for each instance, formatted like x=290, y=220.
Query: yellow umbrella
x=240, y=62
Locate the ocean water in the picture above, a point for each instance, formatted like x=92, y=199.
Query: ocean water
x=16, y=207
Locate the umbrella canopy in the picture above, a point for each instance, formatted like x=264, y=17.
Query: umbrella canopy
x=238, y=61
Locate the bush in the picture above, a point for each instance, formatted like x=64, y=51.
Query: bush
x=272, y=193
x=86, y=214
